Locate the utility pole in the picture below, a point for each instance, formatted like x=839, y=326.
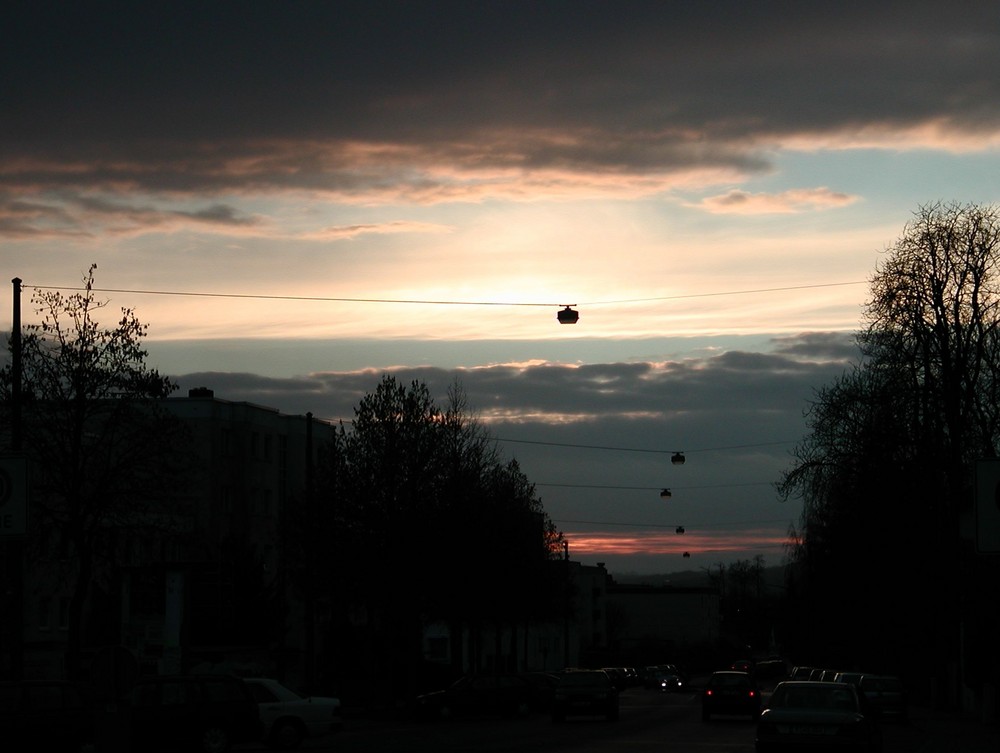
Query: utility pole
x=16, y=427
x=14, y=544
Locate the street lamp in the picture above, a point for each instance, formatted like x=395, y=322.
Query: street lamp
x=665, y=494
x=568, y=316
x=677, y=458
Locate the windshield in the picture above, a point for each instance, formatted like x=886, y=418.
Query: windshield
x=813, y=697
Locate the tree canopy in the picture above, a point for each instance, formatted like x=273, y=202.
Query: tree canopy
x=887, y=469
x=422, y=519
x=104, y=453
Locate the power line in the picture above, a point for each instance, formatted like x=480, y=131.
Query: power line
x=332, y=299
x=644, y=449
x=727, y=292
x=654, y=488
x=261, y=296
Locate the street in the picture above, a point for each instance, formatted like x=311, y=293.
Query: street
x=649, y=720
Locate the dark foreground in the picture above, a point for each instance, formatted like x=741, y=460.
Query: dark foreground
x=649, y=721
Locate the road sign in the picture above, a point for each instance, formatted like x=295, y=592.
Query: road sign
x=13, y=496
x=988, y=506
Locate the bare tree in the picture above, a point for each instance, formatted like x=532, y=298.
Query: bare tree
x=104, y=453
x=888, y=465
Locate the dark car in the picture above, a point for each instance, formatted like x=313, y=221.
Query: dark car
x=208, y=713
x=543, y=688
x=51, y=716
x=809, y=715
x=585, y=692
x=801, y=673
x=504, y=695
x=730, y=692
x=289, y=718
x=883, y=695
x=671, y=683
x=655, y=675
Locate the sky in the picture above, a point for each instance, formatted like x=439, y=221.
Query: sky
x=299, y=197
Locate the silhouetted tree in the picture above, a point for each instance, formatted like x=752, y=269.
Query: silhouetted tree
x=887, y=467
x=104, y=452
x=422, y=520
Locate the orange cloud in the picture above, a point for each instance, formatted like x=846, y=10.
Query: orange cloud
x=604, y=543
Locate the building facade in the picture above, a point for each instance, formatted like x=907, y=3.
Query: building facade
x=213, y=590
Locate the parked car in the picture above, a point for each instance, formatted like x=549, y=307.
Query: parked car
x=288, y=717
x=810, y=715
x=883, y=695
x=585, y=692
x=506, y=695
x=618, y=677
x=730, y=692
x=851, y=678
x=544, y=687
x=206, y=712
x=49, y=716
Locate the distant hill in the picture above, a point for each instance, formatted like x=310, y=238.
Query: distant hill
x=774, y=577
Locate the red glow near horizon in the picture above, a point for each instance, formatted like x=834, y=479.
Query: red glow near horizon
x=598, y=543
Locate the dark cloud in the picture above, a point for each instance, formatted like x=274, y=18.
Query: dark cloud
x=834, y=346
x=179, y=96
x=597, y=439
x=709, y=390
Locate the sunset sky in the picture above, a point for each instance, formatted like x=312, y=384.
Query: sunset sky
x=300, y=196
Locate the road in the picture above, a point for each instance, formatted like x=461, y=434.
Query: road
x=650, y=721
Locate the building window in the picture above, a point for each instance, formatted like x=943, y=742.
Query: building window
x=64, y=613
x=267, y=447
